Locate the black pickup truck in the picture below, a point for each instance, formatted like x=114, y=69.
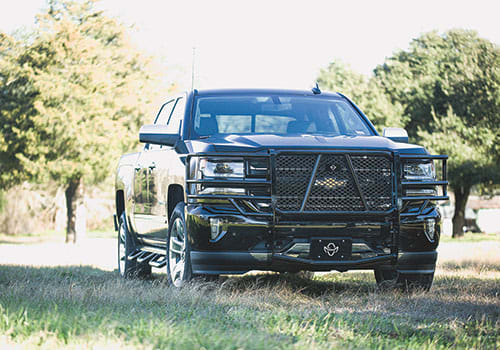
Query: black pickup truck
x=231, y=181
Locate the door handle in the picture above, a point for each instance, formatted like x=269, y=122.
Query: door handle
x=152, y=165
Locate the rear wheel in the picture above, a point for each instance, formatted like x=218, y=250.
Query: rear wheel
x=128, y=268
x=392, y=279
x=178, y=249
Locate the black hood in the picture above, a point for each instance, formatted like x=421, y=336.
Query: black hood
x=262, y=142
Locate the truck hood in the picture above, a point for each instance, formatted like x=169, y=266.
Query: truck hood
x=262, y=142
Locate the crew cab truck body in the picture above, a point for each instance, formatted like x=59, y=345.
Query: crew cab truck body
x=236, y=180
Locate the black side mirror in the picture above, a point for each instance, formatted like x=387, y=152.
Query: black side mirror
x=158, y=135
x=396, y=134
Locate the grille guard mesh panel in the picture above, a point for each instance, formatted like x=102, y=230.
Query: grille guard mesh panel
x=337, y=182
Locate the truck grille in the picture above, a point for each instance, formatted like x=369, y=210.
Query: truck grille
x=338, y=182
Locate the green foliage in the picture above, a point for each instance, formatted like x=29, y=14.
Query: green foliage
x=470, y=148
x=457, y=69
x=365, y=92
x=72, y=97
x=16, y=109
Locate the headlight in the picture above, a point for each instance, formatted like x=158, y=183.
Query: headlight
x=420, y=171
x=211, y=168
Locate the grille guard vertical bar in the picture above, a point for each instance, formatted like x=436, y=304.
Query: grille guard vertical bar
x=274, y=221
x=356, y=180
x=311, y=182
x=398, y=190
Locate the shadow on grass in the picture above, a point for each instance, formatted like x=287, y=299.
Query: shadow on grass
x=355, y=283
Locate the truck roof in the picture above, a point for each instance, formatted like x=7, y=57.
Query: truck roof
x=212, y=92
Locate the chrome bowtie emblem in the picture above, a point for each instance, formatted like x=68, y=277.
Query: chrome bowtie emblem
x=333, y=167
x=331, y=249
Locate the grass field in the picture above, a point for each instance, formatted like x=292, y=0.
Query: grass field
x=90, y=307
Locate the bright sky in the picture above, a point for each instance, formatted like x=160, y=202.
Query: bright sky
x=256, y=43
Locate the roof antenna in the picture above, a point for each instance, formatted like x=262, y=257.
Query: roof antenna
x=316, y=89
x=192, y=69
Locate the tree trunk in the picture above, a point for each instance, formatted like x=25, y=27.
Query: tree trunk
x=461, y=196
x=73, y=196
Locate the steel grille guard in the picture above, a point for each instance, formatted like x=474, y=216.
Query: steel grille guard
x=398, y=183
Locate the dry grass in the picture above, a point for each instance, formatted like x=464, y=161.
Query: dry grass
x=84, y=306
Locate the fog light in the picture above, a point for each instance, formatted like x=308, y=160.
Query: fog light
x=421, y=192
x=215, y=224
x=221, y=190
x=430, y=229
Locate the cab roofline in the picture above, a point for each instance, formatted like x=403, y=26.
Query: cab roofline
x=226, y=92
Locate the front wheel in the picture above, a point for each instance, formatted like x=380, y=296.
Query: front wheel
x=178, y=249
x=393, y=279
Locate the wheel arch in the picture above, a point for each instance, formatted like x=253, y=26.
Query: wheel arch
x=119, y=203
x=175, y=195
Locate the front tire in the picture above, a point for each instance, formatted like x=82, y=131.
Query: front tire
x=178, y=249
x=407, y=282
x=128, y=268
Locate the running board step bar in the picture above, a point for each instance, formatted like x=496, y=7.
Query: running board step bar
x=134, y=254
x=149, y=255
x=158, y=263
x=145, y=256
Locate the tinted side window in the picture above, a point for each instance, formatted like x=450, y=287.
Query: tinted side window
x=162, y=118
x=176, y=117
x=164, y=113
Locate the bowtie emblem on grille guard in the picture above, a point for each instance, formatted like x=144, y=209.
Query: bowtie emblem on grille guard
x=331, y=249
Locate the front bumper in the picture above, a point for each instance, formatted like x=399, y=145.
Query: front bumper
x=246, y=244
x=242, y=262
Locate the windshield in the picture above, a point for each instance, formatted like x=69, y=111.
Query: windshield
x=277, y=115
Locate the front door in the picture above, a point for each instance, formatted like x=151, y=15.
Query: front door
x=166, y=169
x=142, y=205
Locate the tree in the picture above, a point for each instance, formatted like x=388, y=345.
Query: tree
x=72, y=100
x=449, y=86
x=365, y=92
x=17, y=96
x=471, y=162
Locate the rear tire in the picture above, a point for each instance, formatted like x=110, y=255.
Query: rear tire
x=126, y=246
x=407, y=282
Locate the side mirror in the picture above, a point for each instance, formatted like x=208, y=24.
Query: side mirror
x=157, y=135
x=396, y=134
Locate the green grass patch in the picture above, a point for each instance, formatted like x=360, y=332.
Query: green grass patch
x=88, y=307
